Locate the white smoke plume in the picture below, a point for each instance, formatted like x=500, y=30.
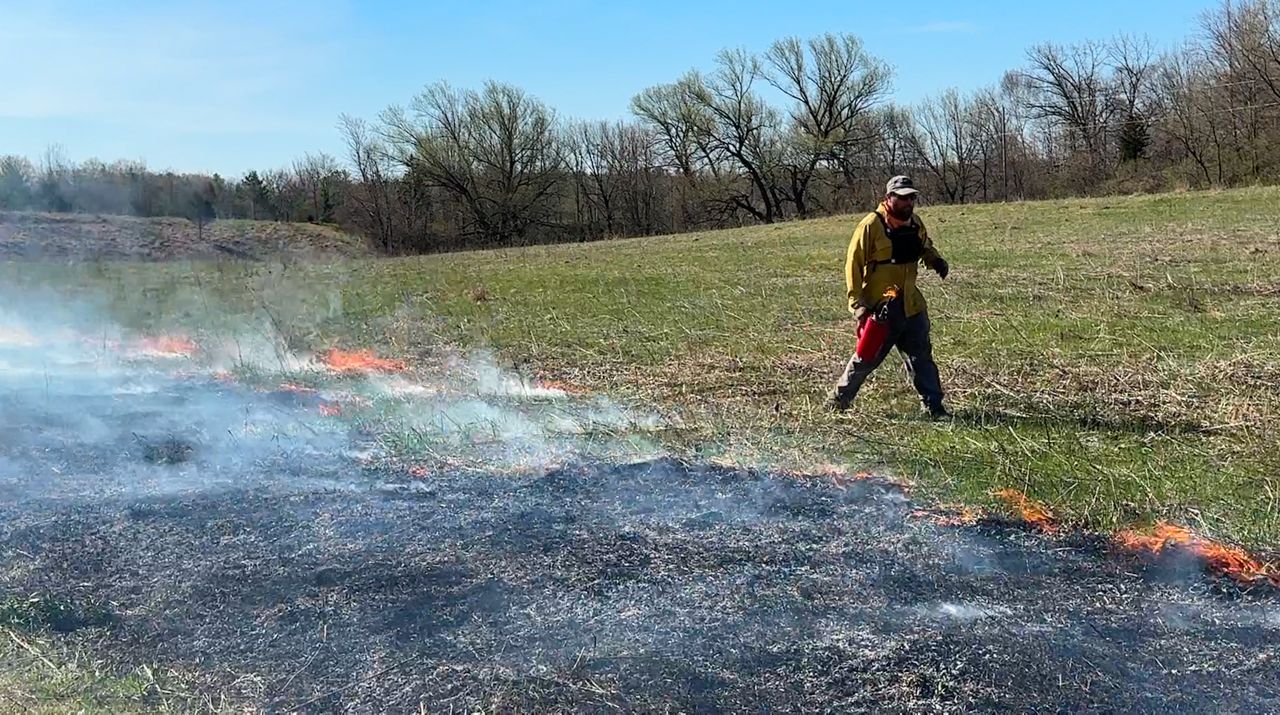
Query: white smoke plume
x=91, y=405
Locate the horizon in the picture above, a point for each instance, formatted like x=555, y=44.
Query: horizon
x=241, y=95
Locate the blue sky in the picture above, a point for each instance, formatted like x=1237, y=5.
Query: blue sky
x=233, y=85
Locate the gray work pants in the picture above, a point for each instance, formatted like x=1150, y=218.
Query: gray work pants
x=911, y=336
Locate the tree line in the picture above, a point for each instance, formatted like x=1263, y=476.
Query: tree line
x=802, y=128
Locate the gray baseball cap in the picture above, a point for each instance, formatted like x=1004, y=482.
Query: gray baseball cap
x=901, y=185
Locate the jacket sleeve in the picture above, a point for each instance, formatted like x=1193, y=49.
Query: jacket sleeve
x=930, y=255
x=855, y=265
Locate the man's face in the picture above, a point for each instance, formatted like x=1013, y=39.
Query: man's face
x=901, y=206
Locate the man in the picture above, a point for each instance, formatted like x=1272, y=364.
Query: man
x=883, y=256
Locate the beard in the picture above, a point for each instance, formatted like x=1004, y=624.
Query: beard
x=899, y=211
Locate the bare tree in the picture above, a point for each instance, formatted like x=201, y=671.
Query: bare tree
x=593, y=148
x=1242, y=44
x=286, y=193
x=495, y=151
x=637, y=163
x=372, y=193
x=1133, y=70
x=1068, y=89
x=1184, y=95
x=678, y=122
x=613, y=166
x=741, y=127
x=54, y=173
x=316, y=174
x=993, y=125
x=16, y=177
x=1246, y=35
x=669, y=111
x=944, y=138
x=834, y=84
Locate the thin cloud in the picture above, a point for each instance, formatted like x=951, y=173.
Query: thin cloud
x=952, y=26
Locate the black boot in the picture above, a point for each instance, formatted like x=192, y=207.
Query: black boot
x=837, y=402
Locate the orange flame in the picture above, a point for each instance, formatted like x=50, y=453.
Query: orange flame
x=167, y=346
x=360, y=361
x=1230, y=561
x=295, y=387
x=330, y=409
x=1032, y=511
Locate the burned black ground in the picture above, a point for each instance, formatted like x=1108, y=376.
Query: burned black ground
x=295, y=576
x=644, y=586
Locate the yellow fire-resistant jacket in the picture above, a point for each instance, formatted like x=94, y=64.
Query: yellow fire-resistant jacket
x=867, y=280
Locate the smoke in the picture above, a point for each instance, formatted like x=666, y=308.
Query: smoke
x=109, y=414
x=94, y=408
x=489, y=417
x=963, y=612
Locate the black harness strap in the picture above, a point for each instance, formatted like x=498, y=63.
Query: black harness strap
x=907, y=246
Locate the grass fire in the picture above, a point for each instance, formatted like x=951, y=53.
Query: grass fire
x=1231, y=561
x=360, y=361
x=166, y=346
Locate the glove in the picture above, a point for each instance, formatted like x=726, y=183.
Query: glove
x=860, y=313
x=941, y=267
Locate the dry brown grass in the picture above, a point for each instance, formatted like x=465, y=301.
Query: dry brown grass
x=91, y=236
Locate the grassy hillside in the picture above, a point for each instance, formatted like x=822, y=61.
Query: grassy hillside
x=1117, y=358
x=91, y=236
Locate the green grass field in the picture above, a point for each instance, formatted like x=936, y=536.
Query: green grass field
x=1115, y=358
